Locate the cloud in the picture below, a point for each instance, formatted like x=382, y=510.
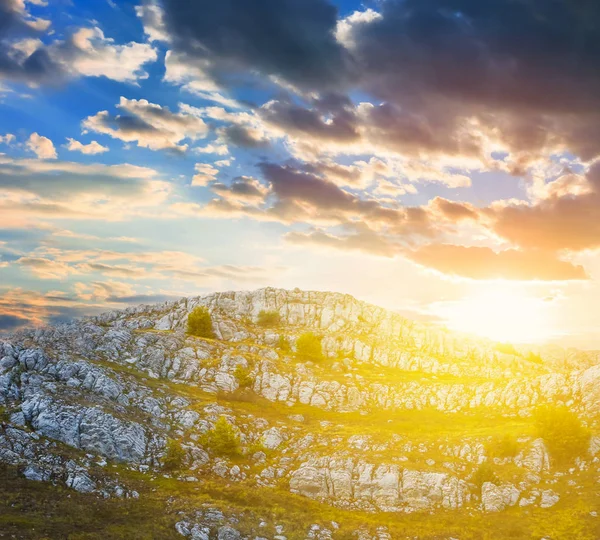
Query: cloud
x=364, y=240
x=46, y=268
x=485, y=263
x=445, y=77
x=9, y=138
x=291, y=40
x=41, y=189
x=205, y=173
x=26, y=59
x=11, y=322
x=23, y=57
x=90, y=149
x=332, y=119
x=41, y=146
x=244, y=137
x=243, y=188
x=89, y=53
x=19, y=307
x=566, y=220
x=152, y=17
x=102, y=290
x=149, y=125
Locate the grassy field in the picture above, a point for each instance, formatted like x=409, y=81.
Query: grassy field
x=32, y=510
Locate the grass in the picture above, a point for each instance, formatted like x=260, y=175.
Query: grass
x=37, y=510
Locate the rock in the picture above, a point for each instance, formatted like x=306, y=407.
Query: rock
x=549, y=498
x=536, y=459
x=272, y=438
x=80, y=481
x=228, y=533
x=495, y=498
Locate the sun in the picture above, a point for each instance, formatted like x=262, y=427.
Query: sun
x=502, y=313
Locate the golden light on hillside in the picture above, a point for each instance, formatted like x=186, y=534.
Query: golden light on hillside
x=504, y=313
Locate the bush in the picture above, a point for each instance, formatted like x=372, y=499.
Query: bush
x=564, y=434
x=269, y=319
x=199, y=323
x=484, y=473
x=243, y=376
x=223, y=439
x=283, y=344
x=174, y=457
x=503, y=447
x=308, y=347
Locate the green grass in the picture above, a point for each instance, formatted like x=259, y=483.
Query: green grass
x=37, y=510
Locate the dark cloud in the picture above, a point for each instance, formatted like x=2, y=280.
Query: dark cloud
x=242, y=188
x=484, y=263
x=452, y=74
x=332, y=118
x=292, y=40
x=22, y=64
x=541, y=55
x=12, y=322
x=243, y=137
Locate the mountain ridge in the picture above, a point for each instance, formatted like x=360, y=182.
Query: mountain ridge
x=398, y=418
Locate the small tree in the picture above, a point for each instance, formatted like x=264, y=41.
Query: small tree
x=269, y=319
x=199, y=323
x=243, y=376
x=223, y=439
x=484, y=473
x=308, y=347
x=564, y=434
x=175, y=456
x=503, y=447
x=283, y=344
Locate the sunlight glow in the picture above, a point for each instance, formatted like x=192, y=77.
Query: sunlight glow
x=503, y=314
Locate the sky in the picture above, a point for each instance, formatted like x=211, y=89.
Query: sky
x=435, y=157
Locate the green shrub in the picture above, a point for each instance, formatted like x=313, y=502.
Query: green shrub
x=244, y=376
x=503, y=447
x=484, y=473
x=223, y=439
x=269, y=319
x=564, y=434
x=283, y=344
x=535, y=358
x=175, y=456
x=199, y=323
x=308, y=347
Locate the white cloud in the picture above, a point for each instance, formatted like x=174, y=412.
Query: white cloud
x=41, y=146
x=152, y=17
x=88, y=52
x=204, y=174
x=89, y=149
x=148, y=124
x=9, y=138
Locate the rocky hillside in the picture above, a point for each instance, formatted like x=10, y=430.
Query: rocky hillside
x=144, y=431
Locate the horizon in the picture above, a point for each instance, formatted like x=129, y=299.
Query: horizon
x=437, y=159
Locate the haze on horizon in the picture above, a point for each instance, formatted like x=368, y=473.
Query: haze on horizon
x=438, y=158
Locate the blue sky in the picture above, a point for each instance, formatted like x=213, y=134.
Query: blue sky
x=156, y=149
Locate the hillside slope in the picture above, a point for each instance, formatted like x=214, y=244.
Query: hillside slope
x=143, y=431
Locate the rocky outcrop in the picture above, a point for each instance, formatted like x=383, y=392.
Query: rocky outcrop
x=385, y=487
x=496, y=498
x=123, y=386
